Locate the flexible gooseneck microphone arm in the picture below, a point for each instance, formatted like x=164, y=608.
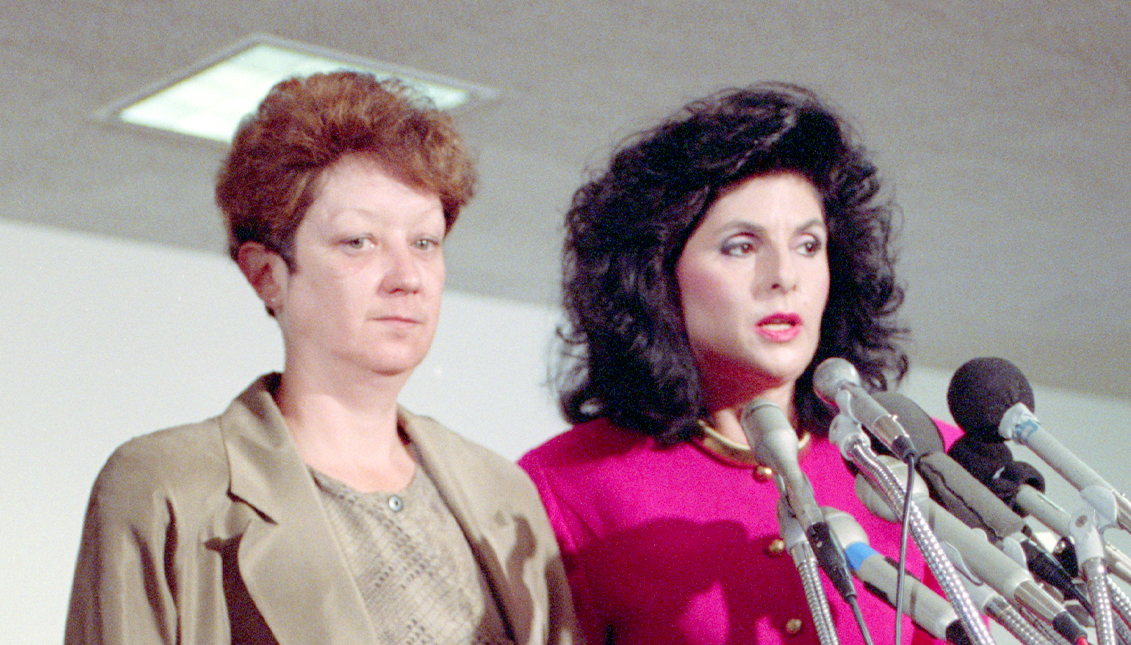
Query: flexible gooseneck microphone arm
x=854, y=445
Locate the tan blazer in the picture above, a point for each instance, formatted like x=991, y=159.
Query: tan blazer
x=213, y=533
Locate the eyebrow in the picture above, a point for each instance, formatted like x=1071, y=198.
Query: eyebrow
x=758, y=228
x=815, y=222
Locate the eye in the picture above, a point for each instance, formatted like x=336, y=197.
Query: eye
x=427, y=243
x=739, y=246
x=360, y=243
x=811, y=246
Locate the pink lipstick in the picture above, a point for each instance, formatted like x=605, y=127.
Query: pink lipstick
x=779, y=327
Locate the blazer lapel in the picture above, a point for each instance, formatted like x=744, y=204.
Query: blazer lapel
x=490, y=529
x=288, y=557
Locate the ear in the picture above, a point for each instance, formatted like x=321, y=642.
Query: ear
x=265, y=271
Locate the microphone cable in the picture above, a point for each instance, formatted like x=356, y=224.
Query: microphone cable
x=904, y=533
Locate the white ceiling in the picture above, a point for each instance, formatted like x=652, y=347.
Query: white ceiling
x=1003, y=128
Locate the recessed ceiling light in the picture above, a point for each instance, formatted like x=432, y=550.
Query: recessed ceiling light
x=209, y=101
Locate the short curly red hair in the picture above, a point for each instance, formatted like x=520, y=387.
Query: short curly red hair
x=306, y=125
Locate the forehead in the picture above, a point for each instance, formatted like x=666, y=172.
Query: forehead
x=358, y=169
x=363, y=186
x=779, y=197
x=766, y=186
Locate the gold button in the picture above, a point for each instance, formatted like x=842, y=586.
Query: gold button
x=763, y=473
x=793, y=626
x=775, y=547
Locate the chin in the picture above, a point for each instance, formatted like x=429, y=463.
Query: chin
x=392, y=365
x=783, y=368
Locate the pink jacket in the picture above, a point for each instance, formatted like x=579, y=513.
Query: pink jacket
x=679, y=545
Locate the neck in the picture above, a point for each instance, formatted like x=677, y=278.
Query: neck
x=346, y=430
x=726, y=413
x=722, y=433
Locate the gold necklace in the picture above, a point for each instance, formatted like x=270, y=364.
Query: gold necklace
x=720, y=444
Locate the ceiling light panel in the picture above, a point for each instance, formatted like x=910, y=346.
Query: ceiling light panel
x=209, y=102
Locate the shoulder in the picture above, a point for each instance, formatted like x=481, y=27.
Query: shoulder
x=593, y=460
x=446, y=450
x=438, y=438
x=177, y=466
x=587, y=443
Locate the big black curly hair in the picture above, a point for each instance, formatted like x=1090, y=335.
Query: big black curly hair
x=626, y=355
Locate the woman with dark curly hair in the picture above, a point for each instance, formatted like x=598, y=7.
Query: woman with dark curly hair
x=721, y=256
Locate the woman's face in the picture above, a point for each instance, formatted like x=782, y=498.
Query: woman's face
x=368, y=276
x=753, y=280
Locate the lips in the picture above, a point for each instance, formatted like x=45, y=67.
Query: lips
x=397, y=320
x=780, y=327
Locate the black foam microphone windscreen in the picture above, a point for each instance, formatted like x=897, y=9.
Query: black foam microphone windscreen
x=982, y=390
x=983, y=460
x=994, y=466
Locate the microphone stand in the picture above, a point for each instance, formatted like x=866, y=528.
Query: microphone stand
x=995, y=606
x=1096, y=513
x=1021, y=425
x=806, y=562
x=848, y=435
x=1122, y=606
x=1035, y=503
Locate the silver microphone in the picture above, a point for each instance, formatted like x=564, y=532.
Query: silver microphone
x=838, y=384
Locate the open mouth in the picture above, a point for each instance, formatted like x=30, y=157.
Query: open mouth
x=780, y=327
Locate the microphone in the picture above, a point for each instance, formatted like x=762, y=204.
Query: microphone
x=949, y=483
x=915, y=421
x=969, y=500
x=880, y=574
x=986, y=561
x=979, y=508
x=1022, y=487
x=993, y=465
x=979, y=390
x=837, y=383
x=849, y=437
x=775, y=444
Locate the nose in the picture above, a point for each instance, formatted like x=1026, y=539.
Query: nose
x=779, y=269
x=402, y=273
